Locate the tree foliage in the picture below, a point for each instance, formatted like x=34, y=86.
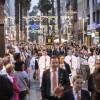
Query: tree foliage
x=44, y=5
x=34, y=11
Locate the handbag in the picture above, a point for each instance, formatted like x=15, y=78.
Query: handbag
x=34, y=75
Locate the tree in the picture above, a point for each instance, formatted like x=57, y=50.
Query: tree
x=33, y=35
x=24, y=6
x=17, y=19
x=59, y=20
x=34, y=11
x=44, y=6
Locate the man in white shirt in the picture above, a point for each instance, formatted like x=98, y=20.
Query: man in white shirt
x=44, y=63
x=72, y=61
x=54, y=81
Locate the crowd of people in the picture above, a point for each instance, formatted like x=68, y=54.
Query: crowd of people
x=61, y=69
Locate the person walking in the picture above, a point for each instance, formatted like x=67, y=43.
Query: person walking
x=54, y=81
x=44, y=64
x=76, y=93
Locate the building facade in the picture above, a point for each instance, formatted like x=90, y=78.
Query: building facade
x=89, y=20
x=9, y=10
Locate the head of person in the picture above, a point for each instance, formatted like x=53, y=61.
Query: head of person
x=17, y=56
x=1, y=63
x=34, y=54
x=97, y=64
x=61, y=59
x=44, y=52
x=6, y=59
x=70, y=52
x=54, y=62
x=6, y=88
x=93, y=53
x=19, y=66
x=10, y=68
x=78, y=82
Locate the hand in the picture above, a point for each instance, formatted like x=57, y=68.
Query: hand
x=59, y=91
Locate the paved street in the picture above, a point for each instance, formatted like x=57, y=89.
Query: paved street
x=35, y=93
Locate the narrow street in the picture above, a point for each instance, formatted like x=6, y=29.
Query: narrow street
x=35, y=93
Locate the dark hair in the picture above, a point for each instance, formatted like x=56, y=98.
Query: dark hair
x=16, y=56
x=60, y=57
x=5, y=55
x=53, y=57
x=18, y=66
x=6, y=88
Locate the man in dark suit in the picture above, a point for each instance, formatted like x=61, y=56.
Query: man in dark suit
x=76, y=93
x=54, y=84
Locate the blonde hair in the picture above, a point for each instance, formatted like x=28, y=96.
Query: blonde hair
x=9, y=68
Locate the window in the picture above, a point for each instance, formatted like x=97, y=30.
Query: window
x=98, y=17
x=87, y=3
x=93, y=16
x=93, y=2
x=88, y=21
x=98, y=1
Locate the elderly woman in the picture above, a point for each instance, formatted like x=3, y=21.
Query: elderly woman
x=10, y=71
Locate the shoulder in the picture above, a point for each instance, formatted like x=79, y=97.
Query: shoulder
x=46, y=71
x=74, y=57
x=48, y=57
x=61, y=69
x=68, y=92
x=67, y=56
x=85, y=92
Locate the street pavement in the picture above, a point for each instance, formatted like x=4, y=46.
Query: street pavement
x=35, y=93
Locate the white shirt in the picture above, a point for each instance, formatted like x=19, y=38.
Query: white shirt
x=51, y=75
x=16, y=49
x=42, y=62
x=83, y=61
x=91, y=62
x=71, y=60
x=32, y=61
x=75, y=94
x=62, y=66
x=11, y=59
